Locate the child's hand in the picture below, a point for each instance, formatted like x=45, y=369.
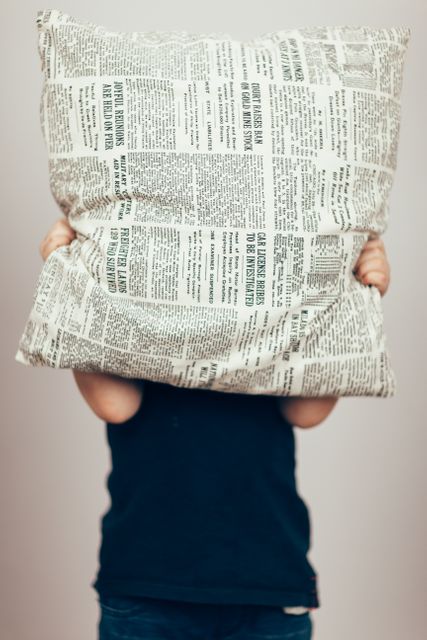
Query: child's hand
x=112, y=398
x=59, y=233
x=372, y=266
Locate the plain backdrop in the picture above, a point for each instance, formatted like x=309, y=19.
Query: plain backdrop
x=361, y=472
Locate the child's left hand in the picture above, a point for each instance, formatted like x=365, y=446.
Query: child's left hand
x=372, y=266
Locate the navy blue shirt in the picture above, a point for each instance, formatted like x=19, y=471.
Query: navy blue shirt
x=204, y=503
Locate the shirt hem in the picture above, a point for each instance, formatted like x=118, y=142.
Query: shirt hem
x=209, y=595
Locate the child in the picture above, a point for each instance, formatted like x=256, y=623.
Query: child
x=206, y=536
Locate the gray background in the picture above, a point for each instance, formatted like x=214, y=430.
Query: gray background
x=361, y=471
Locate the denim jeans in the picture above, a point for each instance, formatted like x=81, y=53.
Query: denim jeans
x=146, y=618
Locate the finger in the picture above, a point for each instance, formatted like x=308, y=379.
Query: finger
x=374, y=277
x=372, y=264
x=61, y=226
x=54, y=242
x=365, y=278
x=371, y=246
x=61, y=234
x=370, y=253
x=62, y=222
x=63, y=238
x=374, y=242
x=59, y=229
x=47, y=250
x=377, y=279
x=51, y=245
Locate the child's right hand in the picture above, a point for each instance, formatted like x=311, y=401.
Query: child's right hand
x=59, y=233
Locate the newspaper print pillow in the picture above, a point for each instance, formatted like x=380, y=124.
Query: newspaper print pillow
x=221, y=191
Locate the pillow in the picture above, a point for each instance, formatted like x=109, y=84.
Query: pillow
x=221, y=191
